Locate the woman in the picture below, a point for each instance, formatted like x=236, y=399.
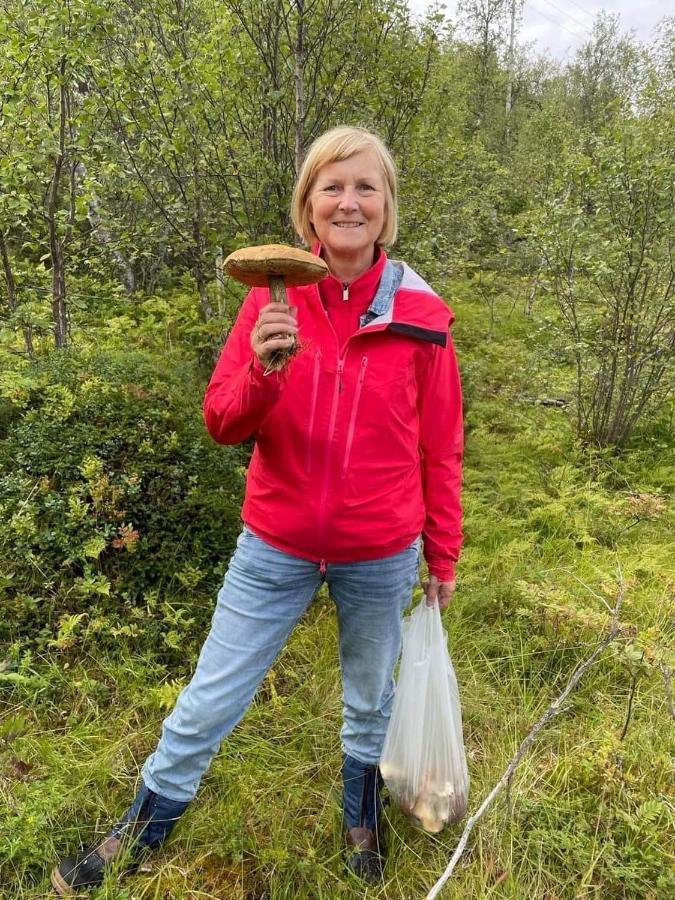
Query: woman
x=357, y=456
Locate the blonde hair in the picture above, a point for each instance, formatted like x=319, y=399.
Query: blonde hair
x=334, y=146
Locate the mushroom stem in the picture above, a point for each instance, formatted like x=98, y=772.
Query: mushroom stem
x=278, y=294
x=277, y=289
x=276, y=266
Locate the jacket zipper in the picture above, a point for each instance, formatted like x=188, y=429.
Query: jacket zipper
x=331, y=430
x=312, y=407
x=352, y=418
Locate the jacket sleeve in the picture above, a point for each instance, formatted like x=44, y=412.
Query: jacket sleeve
x=239, y=394
x=441, y=451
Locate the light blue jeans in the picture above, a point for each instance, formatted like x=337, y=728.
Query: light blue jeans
x=264, y=594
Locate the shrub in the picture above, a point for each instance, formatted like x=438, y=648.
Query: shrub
x=606, y=238
x=118, y=508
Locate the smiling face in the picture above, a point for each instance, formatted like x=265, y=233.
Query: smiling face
x=347, y=205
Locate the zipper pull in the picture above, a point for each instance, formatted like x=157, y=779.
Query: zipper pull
x=345, y=291
x=340, y=370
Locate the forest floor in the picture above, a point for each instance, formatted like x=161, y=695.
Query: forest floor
x=552, y=530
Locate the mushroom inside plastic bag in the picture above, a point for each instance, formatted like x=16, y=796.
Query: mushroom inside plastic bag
x=423, y=761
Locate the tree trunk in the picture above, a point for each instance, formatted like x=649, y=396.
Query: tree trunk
x=59, y=309
x=202, y=289
x=219, y=280
x=299, y=89
x=509, y=83
x=12, y=300
x=198, y=264
x=105, y=237
x=150, y=277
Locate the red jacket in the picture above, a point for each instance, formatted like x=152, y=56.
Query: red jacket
x=358, y=449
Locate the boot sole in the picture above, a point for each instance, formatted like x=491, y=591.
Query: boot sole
x=62, y=888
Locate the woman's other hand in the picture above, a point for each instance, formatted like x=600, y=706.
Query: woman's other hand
x=275, y=329
x=438, y=590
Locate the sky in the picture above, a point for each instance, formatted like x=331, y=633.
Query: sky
x=561, y=26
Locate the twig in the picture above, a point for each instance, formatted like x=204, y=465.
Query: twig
x=552, y=711
x=629, y=713
x=595, y=593
x=665, y=672
x=509, y=801
x=547, y=401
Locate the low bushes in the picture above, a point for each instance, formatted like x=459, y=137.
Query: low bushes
x=119, y=511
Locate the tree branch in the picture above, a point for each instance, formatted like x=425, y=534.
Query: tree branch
x=665, y=672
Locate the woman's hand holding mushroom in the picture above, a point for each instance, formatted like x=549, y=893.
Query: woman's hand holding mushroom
x=275, y=266
x=275, y=330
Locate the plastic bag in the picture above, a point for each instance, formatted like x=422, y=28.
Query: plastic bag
x=423, y=761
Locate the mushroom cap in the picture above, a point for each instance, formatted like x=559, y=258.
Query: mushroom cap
x=254, y=265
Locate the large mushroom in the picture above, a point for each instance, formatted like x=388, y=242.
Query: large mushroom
x=275, y=266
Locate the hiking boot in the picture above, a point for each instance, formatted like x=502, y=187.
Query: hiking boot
x=362, y=804
x=364, y=854
x=147, y=823
x=86, y=869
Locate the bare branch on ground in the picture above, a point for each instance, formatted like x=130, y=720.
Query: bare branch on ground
x=550, y=713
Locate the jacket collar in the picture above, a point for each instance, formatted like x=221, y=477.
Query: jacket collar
x=360, y=290
x=398, y=307
x=398, y=302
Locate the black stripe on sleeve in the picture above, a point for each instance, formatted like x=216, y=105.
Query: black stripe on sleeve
x=421, y=334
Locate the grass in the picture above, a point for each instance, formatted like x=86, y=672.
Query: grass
x=548, y=527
